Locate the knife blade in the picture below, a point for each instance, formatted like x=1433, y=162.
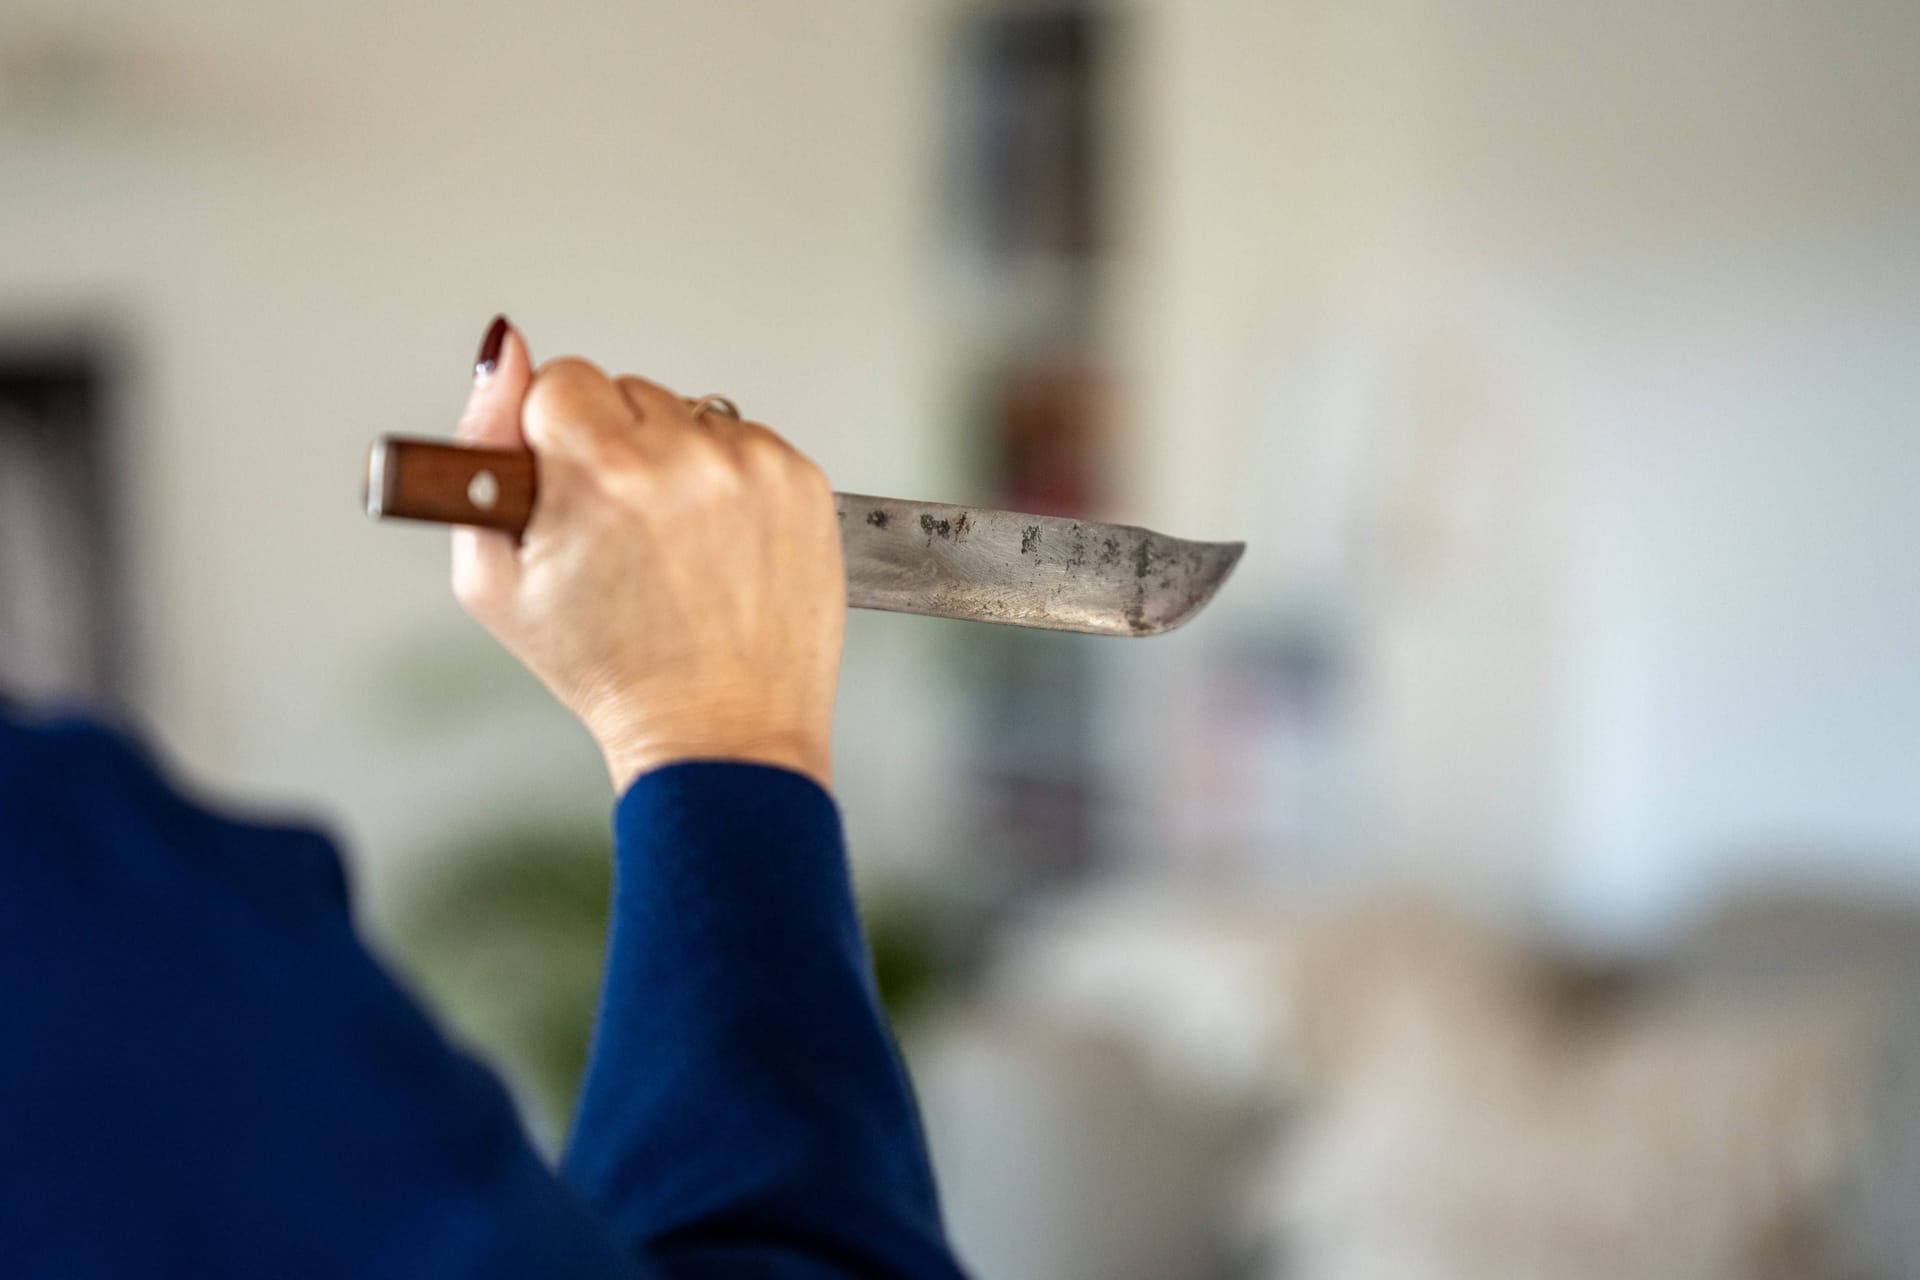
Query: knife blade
x=940, y=560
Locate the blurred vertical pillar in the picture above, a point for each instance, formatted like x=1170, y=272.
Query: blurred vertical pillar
x=1028, y=250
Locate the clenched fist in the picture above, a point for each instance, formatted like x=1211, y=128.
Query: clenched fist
x=679, y=586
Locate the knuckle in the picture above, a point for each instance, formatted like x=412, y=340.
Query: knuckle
x=759, y=442
x=809, y=476
x=562, y=370
x=771, y=458
x=718, y=469
x=568, y=377
x=649, y=399
x=565, y=394
x=703, y=452
x=762, y=459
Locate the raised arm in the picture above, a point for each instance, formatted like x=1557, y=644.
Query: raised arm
x=680, y=588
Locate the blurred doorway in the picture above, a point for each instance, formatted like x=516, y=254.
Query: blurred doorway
x=59, y=633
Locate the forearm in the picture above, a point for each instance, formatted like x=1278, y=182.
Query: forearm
x=743, y=1086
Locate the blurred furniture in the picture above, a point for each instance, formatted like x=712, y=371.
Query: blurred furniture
x=1165, y=1086
x=1061, y=1156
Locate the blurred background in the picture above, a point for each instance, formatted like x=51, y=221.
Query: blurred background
x=1515, y=871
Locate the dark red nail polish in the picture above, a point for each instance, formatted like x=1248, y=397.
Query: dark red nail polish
x=483, y=364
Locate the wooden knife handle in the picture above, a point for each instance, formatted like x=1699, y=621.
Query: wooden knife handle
x=410, y=479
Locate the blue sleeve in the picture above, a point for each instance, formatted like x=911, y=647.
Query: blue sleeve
x=744, y=1102
x=203, y=1073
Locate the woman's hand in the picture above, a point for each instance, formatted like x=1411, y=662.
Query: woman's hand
x=680, y=585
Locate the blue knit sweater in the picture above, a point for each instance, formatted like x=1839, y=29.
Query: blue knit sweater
x=204, y=1074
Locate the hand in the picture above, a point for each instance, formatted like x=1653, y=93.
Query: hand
x=679, y=587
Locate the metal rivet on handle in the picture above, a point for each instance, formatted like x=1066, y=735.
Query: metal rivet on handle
x=483, y=490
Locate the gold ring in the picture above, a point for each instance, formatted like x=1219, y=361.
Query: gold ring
x=720, y=403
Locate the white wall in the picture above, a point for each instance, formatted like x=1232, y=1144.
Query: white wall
x=1626, y=300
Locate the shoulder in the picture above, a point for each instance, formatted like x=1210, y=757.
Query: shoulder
x=46, y=750
x=62, y=771
x=83, y=802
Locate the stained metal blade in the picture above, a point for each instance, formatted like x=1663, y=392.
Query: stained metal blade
x=1031, y=571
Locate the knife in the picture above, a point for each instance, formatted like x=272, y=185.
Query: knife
x=930, y=558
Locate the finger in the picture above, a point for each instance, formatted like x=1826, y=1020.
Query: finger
x=571, y=407
x=747, y=429
x=749, y=441
x=672, y=431
x=654, y=404
x=485, y=562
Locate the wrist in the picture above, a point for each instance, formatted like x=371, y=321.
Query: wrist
x=803, y=754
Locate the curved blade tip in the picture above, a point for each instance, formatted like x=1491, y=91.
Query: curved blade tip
x=1219, y=561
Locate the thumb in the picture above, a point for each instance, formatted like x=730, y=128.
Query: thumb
x=501, y=373
x=486, y=562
